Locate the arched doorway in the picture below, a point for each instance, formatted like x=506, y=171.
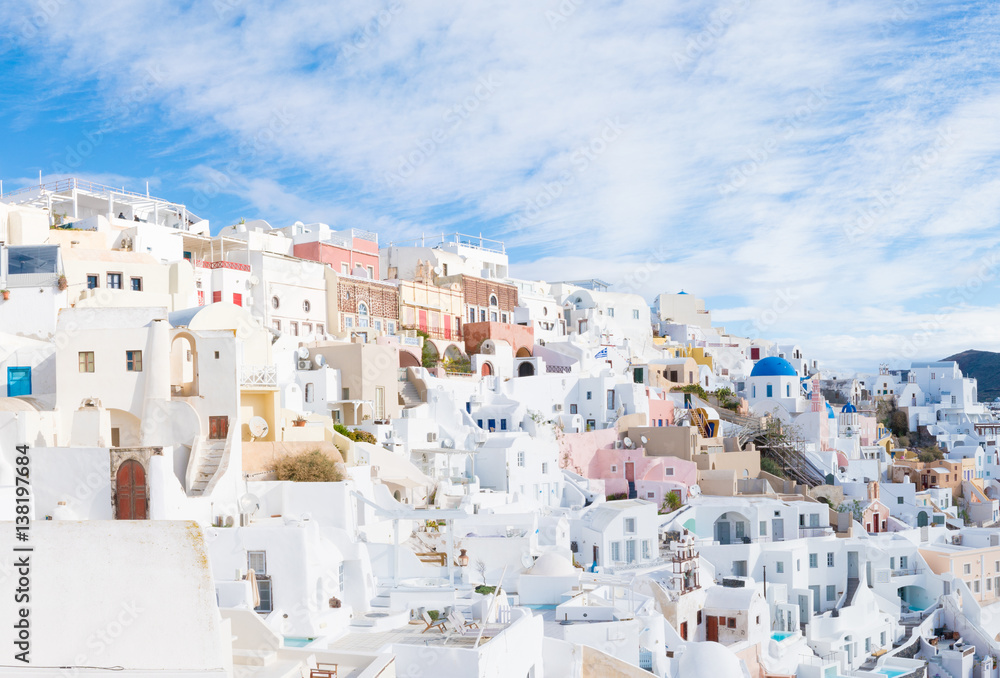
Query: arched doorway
x=523, y=352
x=130, y=491
x=526, y=369
x=922, y=519
x=183, y=365
x=487, y=370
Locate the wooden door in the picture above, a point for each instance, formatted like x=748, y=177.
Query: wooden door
x=712, y=629
x=218, y=428
x=684, y=630
x=130, y=491
x=630, y=471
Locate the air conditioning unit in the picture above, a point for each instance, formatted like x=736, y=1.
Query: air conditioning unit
x=305, y=364
x=558, y=407
x=432, y=437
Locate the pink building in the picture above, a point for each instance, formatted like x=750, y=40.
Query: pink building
x=661, y=408
x=596, y=455
x=350, y=252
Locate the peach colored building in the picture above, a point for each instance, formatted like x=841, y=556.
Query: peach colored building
x=979, y=568
x=940, y=473
x=520, y=337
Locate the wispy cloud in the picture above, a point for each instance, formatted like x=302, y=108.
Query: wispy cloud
x=846, y=149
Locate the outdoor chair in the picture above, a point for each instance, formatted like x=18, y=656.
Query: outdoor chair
x=432, y=623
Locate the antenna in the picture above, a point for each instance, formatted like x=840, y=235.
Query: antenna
x=628, y=442
x=258, y=427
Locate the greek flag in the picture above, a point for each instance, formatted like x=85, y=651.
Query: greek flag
x=603, y=353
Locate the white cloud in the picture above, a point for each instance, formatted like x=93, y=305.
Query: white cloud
x=764, y=145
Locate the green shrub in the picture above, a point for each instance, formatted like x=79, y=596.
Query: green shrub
x=672, y=501
x=308, y=467
x=485, y=590
x=434, y=614
x=363, y=436
x=617, y=495
x=342, y=430
x=769, y=465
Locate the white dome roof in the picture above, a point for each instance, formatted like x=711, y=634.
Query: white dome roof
x=709, y=660
x=553, y=565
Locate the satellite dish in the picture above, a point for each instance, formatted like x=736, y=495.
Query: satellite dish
x=527, y=561
x=644, y=439
x=438, y=270
x=319, y=361
x=628, y=442
x=302, y=352
x=253, y=281
x=258, y=427
x=249, y=503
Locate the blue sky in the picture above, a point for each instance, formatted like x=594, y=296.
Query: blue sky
x=823, y=173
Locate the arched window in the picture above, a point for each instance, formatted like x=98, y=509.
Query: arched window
x=493, y=300
x=274, y=302
x=362, y=315
x=305, y=305
x=788, y=390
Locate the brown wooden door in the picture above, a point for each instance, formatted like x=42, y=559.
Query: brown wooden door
x=218, y=428
x=130, y=491
x=684, y=630
x=712, y=629
x=630, y=471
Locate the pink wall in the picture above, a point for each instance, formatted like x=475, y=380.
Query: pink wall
x=593, y=455
x=335, y=256
x=660, y=409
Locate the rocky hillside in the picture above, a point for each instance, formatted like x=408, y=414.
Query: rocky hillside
x=984, y=366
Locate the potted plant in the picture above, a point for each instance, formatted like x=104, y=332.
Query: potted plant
x=6, y=294
x=299, y=421
x=63, y=283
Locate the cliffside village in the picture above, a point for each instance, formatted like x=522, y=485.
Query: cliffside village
x=297, y=451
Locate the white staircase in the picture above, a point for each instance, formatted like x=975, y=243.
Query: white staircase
x=408, y=394
x=208, y=462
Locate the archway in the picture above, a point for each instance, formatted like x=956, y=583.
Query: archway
x=732, y=528
x=183, y=365
x=487, y=370
x=453, y=352
x=130, y=491
x=922, y=519
x=526, y=369
x=523, y=352
x=407, y=359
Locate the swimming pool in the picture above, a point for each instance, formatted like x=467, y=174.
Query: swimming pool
x=297, y=642
x=781, y=635
x=891, y=673
x=540, y=607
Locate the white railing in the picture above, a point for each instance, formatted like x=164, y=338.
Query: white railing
x=265, y=376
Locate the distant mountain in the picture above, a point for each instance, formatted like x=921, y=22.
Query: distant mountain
x=984, y=367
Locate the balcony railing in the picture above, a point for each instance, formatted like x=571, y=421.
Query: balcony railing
x=907, y=572
x=258, y=376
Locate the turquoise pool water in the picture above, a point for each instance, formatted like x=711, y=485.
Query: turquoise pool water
x=298, y=642
x=892, y=673
x=781, y=635
x=540, y=607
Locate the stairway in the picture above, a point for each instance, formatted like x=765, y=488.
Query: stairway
x=408, y=394
x=795, y=465
x=852, y=588
x=211, y=454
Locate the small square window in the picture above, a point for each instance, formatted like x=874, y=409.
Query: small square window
x=86, y=361
x=115, y=281
x=779, y=567
x=93, y=281
x=133, y=361
x=589, y=395
x=136, y=284
x=216, y=355
x=572, y=408
x=829, y=560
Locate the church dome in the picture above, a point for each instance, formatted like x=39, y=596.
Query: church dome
x=773, y=367
x=849, y=408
